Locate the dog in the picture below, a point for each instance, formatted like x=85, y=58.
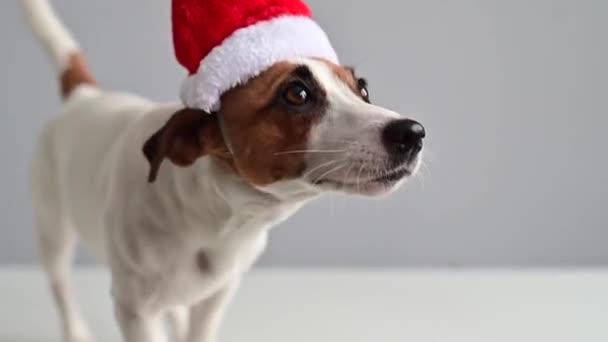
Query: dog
x=178, y=202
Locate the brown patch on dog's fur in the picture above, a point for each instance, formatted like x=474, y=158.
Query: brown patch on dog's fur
x=259, y=125
x=347, y=75
x=76, y=74
x=261, y=129
x=202, y=262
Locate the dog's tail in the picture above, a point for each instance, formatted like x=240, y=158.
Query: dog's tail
x=60, y=45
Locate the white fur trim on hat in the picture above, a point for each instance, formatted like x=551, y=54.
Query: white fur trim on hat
x=250, y=51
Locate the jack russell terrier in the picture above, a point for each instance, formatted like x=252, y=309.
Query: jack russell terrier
x=178, y=201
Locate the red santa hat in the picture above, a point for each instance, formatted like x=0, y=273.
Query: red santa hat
x=223, y=43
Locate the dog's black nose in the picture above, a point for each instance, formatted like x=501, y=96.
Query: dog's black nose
x=403, y=137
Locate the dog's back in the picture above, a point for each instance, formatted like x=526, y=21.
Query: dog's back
x=73, y=161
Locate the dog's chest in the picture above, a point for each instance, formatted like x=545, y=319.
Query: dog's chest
x=244, y=236
x=190, y=275
x=204, y=268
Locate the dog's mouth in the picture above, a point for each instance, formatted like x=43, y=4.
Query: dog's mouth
x=368, y=183
x=393, y=176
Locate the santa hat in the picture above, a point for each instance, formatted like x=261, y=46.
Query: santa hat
x=223, y=43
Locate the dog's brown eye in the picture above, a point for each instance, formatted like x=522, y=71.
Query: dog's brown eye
x=297, y=94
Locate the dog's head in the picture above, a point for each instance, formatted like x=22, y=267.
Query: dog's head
x=307, y=122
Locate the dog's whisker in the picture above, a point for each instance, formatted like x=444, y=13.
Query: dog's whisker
x=426, y=174
x=347, y=142
x=344, y=183
x=424, y=166
x=308, y=151
x=358, y=181
x=328, y=173
x=331, y=162
x=350, y=168
x=341, y=140
x=379, y=170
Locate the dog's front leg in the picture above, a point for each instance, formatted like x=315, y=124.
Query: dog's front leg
x=206, y=316
x=138, y=322
x=178, y=319
x=137, y=326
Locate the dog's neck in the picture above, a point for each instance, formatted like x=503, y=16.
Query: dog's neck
x=212, y=195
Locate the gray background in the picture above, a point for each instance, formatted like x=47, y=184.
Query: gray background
x=514, y=94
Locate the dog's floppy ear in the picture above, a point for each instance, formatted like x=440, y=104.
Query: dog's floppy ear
x=182, y=139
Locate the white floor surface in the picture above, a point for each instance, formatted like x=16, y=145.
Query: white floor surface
x=353, y=306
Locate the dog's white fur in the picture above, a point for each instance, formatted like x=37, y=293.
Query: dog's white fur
x=89, y=178
x=177, y=247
